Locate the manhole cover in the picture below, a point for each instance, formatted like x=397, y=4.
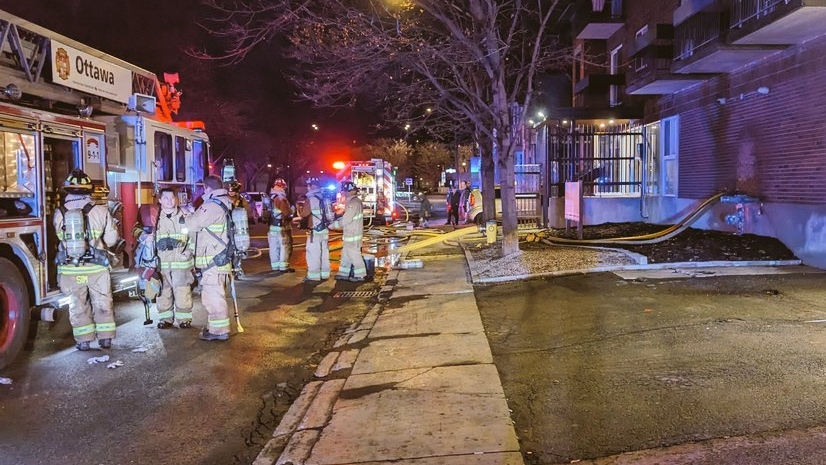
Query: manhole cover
x=353, y=294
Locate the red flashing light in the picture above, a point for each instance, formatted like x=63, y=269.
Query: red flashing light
x=193, y=125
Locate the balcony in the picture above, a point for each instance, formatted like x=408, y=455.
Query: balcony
x=597, y=19
x=701, y=46
x=776, y=22
x=598, y=83
x=650, y=74
x=658, y=36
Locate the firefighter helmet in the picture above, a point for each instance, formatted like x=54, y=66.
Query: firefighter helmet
x=78, y=183
x=279, y=183
x=348, y=186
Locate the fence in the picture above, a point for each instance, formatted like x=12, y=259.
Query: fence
x=609, y=163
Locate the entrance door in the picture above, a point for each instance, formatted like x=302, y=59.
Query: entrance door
x=60, y=156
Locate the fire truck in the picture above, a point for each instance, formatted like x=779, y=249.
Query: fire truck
x=64, y=105
x=377, y=185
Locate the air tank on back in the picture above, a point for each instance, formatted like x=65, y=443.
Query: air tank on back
x=242, y=229
x=74, y=234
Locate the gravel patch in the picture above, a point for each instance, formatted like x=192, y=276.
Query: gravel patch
x=485, y=260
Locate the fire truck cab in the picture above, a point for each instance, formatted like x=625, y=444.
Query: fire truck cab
x=64, y=105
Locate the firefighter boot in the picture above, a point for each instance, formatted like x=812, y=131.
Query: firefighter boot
x=207, y=336
x=105, y=343
x=84, y=346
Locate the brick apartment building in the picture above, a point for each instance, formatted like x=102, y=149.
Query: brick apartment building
x=676, y=101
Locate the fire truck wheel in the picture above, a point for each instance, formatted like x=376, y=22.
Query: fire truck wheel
x=14, y=312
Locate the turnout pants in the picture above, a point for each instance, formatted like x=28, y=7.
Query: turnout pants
x=214, y=298
x=175, y=300
x=281, y=246
x=318, y=255
x=351, y=259
x=90, y=305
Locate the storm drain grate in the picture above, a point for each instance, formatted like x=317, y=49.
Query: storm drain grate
x=351, y=294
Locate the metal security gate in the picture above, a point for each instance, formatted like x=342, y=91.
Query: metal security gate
x=610, y=163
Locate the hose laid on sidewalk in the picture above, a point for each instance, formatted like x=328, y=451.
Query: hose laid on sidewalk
x=435, y=239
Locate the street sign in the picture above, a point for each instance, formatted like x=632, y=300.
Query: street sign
x=408, y=181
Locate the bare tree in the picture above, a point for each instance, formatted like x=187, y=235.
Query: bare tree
x=430, y=159
x=462, y=70
x=395, y=151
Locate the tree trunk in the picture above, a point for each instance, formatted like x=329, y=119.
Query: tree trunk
x=510, y=238
x=505, y=163
x=487, y=187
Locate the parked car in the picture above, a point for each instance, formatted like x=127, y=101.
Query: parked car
x=525, y=204
x=474, y=213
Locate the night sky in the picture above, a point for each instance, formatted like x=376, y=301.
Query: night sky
x=155, y=34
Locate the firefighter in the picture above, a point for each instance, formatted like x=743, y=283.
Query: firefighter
x=213, y=262
x=234, y=192
x=176, y=263
x=147, y=263
x=352, y=226
x=280, y=236
x=84, y=229
x=317, y=211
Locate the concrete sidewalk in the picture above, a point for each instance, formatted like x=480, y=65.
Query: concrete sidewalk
x=414, y=383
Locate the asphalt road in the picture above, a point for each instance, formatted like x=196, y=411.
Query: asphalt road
x=712, y=370
x=182, y=401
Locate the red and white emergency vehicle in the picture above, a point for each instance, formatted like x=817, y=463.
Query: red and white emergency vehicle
x=377, y=185
x=105, y=116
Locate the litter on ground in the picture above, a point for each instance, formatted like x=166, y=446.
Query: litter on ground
x=101, y=359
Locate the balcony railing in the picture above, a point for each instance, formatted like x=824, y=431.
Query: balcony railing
x=775, y=22
x=597, y=24
x=613, y=7
x=747, y=10
x=698, y=30
x=646, y=66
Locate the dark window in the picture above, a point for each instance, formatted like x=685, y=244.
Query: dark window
x=180, y=159
x=163, y=156
x=200, y=160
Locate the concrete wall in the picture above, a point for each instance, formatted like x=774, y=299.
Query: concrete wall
x=598, y=211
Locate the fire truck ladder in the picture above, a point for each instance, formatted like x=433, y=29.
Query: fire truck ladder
x=25, y=48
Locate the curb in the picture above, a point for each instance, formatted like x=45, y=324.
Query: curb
x=653, y=266
x=300, y=428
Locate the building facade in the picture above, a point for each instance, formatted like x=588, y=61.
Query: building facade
x=675, y=102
